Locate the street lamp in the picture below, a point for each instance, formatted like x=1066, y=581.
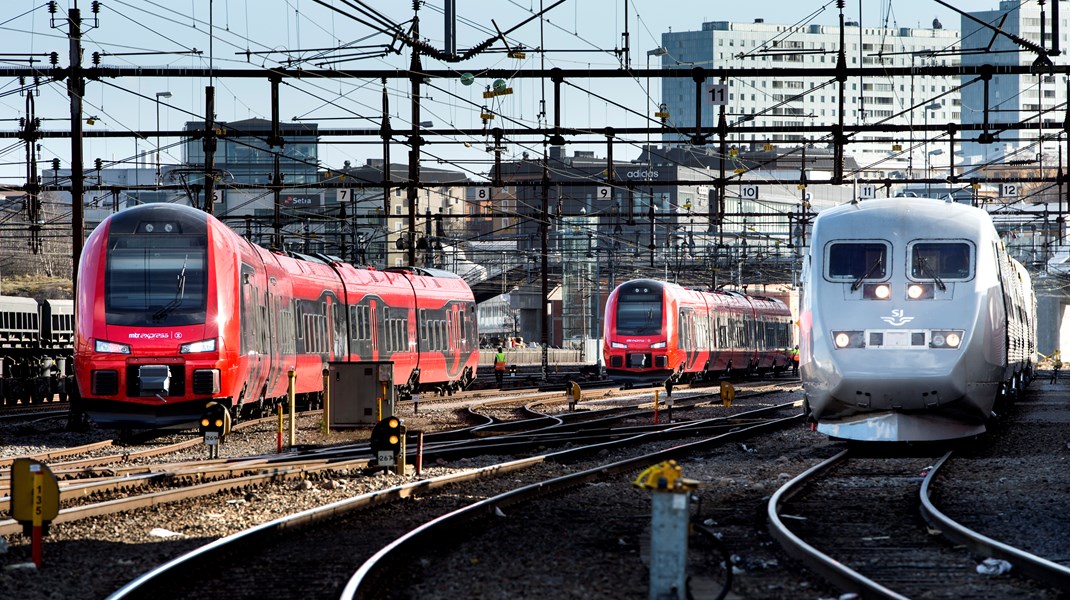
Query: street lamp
x=659, y=51
x=158, y=96
x=928, y=107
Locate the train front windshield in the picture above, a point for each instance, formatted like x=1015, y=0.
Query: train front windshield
x=944, y=260
x=639, y=311
x=857, y=260
x=156, y=280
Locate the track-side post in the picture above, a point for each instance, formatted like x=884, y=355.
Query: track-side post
x=326, y=402
x=292, y=401
x=668, y=528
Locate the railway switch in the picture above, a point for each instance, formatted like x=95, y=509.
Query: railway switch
x=215, y=425
x=388, y=443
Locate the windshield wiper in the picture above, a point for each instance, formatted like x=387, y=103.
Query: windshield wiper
x=180, y=291
x=873, y=267
x=924, y=264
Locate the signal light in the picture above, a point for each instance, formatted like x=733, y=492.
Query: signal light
x=215, y=425
x=388, y=443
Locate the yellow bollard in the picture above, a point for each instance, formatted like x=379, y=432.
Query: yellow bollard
x=656, y=402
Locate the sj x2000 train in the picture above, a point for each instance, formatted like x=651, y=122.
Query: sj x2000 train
x=914, y=322
x=175, y=309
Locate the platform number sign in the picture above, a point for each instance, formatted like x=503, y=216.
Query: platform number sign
x=867, y=191
x=482, y=193
x=604, y=192
x=748, y=192
x=1008, y=190
x=717, y=94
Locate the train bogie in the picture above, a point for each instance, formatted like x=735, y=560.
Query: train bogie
x=911, y=321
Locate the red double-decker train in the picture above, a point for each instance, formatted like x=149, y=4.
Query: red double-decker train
x=174, y=310
x=656, y=331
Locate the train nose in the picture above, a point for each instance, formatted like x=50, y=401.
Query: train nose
x=154, y=380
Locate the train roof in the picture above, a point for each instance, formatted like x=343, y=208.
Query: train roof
x=17, y=304
x=902, y=215
x=424, y=271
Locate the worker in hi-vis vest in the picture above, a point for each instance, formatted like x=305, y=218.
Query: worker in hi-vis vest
x=499, y=365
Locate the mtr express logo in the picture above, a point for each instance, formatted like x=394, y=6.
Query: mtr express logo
x=160, y=335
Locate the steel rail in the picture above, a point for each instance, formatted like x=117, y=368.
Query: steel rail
x=831, y=569
x=371, y=569
x=1032, y=565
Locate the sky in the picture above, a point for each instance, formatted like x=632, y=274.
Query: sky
x=577, y=34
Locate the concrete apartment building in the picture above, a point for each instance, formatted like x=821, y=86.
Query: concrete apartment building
x=1014, y=98
x=787, y=101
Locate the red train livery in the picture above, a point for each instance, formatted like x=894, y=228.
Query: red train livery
x=657, y=331
x=174, y=309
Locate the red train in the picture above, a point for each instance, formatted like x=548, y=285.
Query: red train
x=175, y=309
x=657, y=331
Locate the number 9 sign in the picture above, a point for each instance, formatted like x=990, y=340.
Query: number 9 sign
x=604, y=193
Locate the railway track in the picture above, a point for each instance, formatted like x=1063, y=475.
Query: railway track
x=543, y=471
x=857, y=521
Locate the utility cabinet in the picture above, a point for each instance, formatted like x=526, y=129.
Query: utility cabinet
x=361, y=393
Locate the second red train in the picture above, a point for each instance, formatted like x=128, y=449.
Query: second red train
x=656, y=331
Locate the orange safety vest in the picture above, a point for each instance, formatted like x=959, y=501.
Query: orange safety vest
x=795, y=355
x=499, y=361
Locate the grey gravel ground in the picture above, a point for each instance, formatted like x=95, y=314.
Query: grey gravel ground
x=94, y=557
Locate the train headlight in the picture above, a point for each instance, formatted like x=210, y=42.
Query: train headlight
x=876, y=291
x=657, y=345
x=948, y=338
x=919, y=291
x=194, y=347
x=618, y=345
x=110, y=347
x=849, y=339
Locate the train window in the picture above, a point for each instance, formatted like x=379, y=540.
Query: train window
x=940, y=260
x=857, y=260
x=639, y=313
x=156, y=280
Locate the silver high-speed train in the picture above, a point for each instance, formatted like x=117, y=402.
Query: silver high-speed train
x=914, y=323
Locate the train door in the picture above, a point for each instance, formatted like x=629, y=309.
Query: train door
x=272, y=332
x=375, y=325
x=252, y=326
x=686, y=337
x=452, y=337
